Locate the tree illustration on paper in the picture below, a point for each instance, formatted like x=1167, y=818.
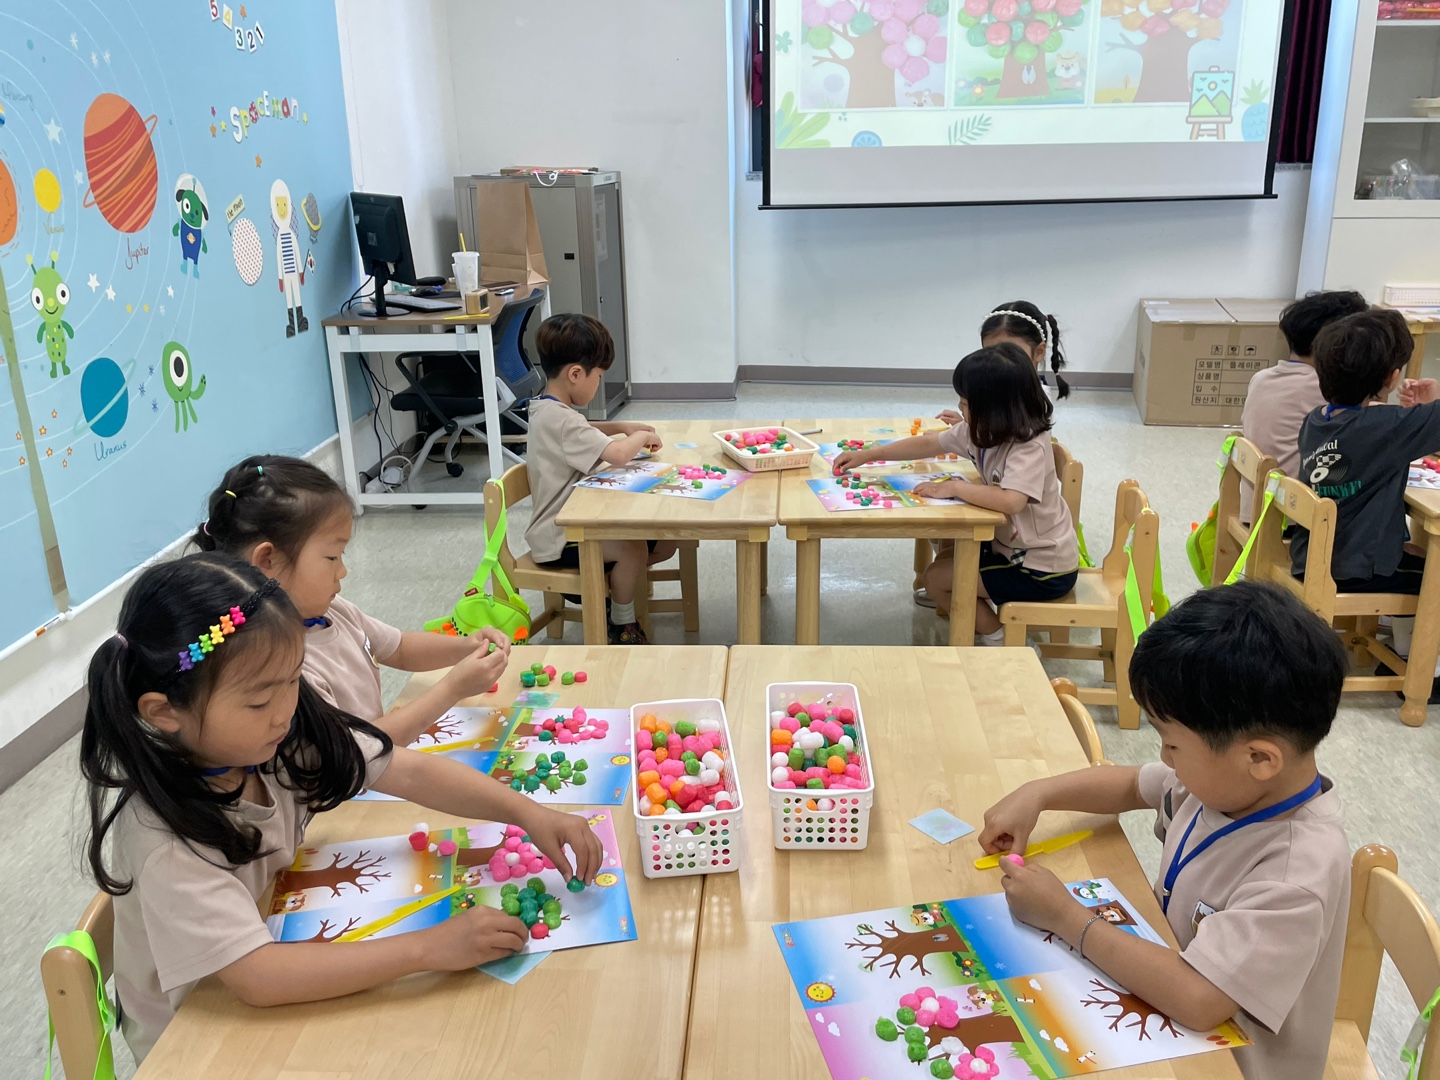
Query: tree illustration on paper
x=874, y=41
x=1169, y=29
x=329, y=931
x=1020, y=32
x=450, y=726
x=360, y=872
x=1126, y=1005
x=899, y=945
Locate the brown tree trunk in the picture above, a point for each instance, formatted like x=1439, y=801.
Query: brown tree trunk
x=1165, y=71
x=975, y=1031
x=872, y=84
x=332, y=877
x=1012, y=78
x=476, y=856
x=902, y=944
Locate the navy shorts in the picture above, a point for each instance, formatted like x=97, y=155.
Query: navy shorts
x=1405, y=580
x=570, y=558
x=1005, y=581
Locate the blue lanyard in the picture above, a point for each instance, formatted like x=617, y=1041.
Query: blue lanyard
x=1181, y=860
x=1331, y=410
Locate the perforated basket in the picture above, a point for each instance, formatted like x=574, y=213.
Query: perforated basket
x=796, y=817
x=1412, y=295
x=798, y=458
x=677, y=845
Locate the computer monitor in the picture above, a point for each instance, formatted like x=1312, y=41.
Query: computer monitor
x=385, y=243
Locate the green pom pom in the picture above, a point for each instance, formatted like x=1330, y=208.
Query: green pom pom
x=1054, y=41
x=536, y=885
x=885, y=1028
x=916, y=1051
x=517, y=784
x=557, y=757
x=940, y=1068
x=509, y=889
x=692, y=768
x=581, y=765
x=575, y=885
x=905, y=1015
x=938, y=8
x=532, y=784
x=914, y=1035
x=545, y=736
x=1049, y=18
x=684, y=728
x=970, y=22
x=567, y=679
x=849, y=729
x=803, y=719
x=536, y=668
x=510, y=906
x=1072, y=20
x=577, y=779
x=542, y=679
x=820, y=37
x=551, y=907
x=815, y=782
x=1026, y=53
x=1017, y=33
x=552, y=920
x=1025, y=9
x=797, y=758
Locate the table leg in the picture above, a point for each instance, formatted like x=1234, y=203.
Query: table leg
x=1417, y=357
x=924, y=553
x=690, y=585
x=964, y=590
x=339, y=388
x=592, y=591
x=807, y=592
x=485, y=346
x=765, y=568
x=749, y=563
x=1425, y=643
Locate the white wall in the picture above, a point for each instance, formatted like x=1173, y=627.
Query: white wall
x=908, y=288
x=639, y=86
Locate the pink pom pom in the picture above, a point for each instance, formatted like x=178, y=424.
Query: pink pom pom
x=924, y=1017
x=546, y=863
x=947, y=1018
x=644, y=740
x=790, y=724
x=909, y=1001
x=579, y=714
x=500, y=873
x=536, y=865
x=922, y=992
x=947, y=1003
x=672, y=743
x=539, y=931
x=1018, y=860
x=447, y=848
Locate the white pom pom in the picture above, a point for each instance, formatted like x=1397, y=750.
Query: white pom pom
x=825, y=804
x=712, y=760
x=848, y=743
x=511, y=858
x=775, y=718
x=779, y=759
x=780, y=775
x=421, y=827
x=644, y=804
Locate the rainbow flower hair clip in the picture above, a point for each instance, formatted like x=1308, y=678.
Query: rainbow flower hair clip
x=231, y=621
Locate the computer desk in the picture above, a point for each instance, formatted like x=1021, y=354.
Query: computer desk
x=349, y=333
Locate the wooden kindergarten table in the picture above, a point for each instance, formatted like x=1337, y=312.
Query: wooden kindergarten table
x=1423, y=506
x=591, y=516
x=950, y=727
x=807, y=522
x=585, y=1014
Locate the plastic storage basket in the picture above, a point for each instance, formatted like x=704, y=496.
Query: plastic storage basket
x=677, y=845
x=1412, y=295
x=798, y=458
x=798, y=821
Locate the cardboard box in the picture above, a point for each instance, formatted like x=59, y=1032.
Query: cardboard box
x=1194, y=358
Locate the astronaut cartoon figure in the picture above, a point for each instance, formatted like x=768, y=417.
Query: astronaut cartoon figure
x=289, y=261
x=194, y=212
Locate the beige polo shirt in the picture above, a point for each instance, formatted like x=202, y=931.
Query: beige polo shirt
x=1276, y=404
x=562, y=447
x=189, y=913
x=1042, y=531
x=1261, y=914
x=342, y=660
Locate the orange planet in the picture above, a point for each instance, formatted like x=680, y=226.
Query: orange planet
x=9, y=208
x=121, y=162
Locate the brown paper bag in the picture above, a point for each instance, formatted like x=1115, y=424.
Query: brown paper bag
x=509, y=240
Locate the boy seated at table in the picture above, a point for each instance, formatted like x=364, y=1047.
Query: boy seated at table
x=1241, y=683
x=563, y=446
x=1280, y=397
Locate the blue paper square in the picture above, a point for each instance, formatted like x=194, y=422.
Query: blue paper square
x=941, y=826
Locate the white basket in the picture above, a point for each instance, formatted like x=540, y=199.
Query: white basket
x=798, y=458
x=1412, y=295
x=678, y=845
x=797, y=824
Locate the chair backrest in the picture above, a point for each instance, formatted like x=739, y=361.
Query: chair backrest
x=1080, y=720
x=1247, y=462
x=1387, y=916
x=512, y=361
x=516, y=483
x=1270, y=557
x=1071, y=475
x=70, y=989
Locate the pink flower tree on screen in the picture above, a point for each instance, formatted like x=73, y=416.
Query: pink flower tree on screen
x=875, y=39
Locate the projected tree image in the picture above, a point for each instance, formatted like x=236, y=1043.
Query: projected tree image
x=874, y=41
x=1020, y=32
x=1168, y=30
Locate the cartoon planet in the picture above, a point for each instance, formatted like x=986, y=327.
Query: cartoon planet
x=104, y=397
x=9, y=210
x=245, y=246
x=120, y=159
x=2, y=116
x=47, y=190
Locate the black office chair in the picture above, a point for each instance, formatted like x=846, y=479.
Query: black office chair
x=448, y=387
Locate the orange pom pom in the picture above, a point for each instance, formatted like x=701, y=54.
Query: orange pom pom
x=780, y=737
x=647, y=722
x=836, y=765
x=656, y=809
x=656, y=794
x=648, y=777
x=661, y=754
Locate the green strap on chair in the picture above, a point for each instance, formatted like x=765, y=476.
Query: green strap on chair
x=1159, y=602
x=82, y=943
x=477, y=609
x=1272, y=488
x=1411, y=1052
x=1085, y=560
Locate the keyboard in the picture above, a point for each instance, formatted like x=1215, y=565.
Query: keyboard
x=421, y=303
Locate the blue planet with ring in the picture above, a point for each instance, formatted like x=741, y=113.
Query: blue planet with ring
x=104, y=397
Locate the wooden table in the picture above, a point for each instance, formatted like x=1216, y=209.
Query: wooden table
x=807, y=522
x=987, y=721
x=1424, y=508
x=745, y=515
x=584, y=1014
x=1419, y=324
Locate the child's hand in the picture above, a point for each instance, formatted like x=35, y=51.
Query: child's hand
x=482, y=668
x=949, y=416
x=474, y=937
x=653, y=442
x=1009, y=823
x=849, y=460
x=1418, y=391
x=1036, y=896
x=551, y=831
x=941, y=489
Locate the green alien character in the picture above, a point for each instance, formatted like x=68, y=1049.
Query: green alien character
x=50, y=294
x=179, y=386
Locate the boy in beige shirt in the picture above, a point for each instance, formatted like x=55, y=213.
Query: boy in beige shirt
x=575, y=352
x=1241, y=683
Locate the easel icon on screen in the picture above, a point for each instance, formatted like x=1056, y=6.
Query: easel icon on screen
x=1212, y=97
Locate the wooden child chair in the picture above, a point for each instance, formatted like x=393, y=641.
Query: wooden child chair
x=1269, y=560
x=1246, y=462
x=524, y=573
x=1080, y=720
x=1387, y=916
x=72, y=992
x=1099, y=601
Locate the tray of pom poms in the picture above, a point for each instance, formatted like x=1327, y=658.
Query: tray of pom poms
x=763, y=449
x=821, y=786
x=685, y=792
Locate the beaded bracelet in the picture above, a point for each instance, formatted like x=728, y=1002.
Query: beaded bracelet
x=1080, y=947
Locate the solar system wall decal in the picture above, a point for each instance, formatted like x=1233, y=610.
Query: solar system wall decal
x=164, y=177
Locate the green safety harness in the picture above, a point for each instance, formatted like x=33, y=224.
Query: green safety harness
x=82, y=943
